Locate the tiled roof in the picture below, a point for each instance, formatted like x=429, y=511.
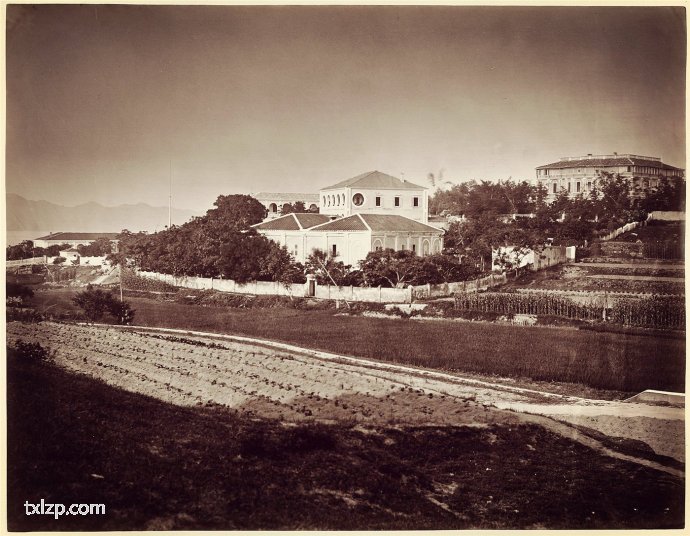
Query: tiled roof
x=376, y=223
x=391, y=222
x=348, y=223
x=292, y=222
x=310, y=220
x=283, y=223
x=621, y=160
x=286, y=197
x=377, y=180
x=78, y=236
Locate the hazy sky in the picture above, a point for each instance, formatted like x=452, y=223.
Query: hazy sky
x=100, y=99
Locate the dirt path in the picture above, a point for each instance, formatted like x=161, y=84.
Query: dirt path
x=277, y=380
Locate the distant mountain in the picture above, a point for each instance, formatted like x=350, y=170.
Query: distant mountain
x=26, y=215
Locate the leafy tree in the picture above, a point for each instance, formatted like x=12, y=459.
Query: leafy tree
x=17, y=290
x=444, y=269
x=96, y=303
x=327, y=270
x=389, y=268
x=298, y=207
x=616, y=201
x=98, y=248
x=54, y=250
x=23, y=250
x=235, y=212
x=278, y=265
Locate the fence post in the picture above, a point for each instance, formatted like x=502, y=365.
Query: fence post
x=379, y=293
x=409, y=289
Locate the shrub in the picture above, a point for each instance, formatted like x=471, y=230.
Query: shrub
x=15, y=314
x=17, y=290
x=30, y=351
x=59, y=260
x=96, y=302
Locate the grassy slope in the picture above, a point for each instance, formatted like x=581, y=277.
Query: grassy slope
x=616, y=361
x=166, y=467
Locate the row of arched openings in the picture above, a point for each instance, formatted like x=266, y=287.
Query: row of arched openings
x=333, y=200
x=273, y=207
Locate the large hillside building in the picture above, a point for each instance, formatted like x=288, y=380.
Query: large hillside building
x=578, y=175
x=370, y=212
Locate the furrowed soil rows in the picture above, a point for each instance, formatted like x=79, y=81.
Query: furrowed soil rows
x=272, y=380
x=255, y=380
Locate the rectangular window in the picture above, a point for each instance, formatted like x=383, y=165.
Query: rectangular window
x=577, y=187
x=629, y=169
x=378, y=201
x=334, y=250
x=589, y=186
x=414, y=249
x=415, y=201
x=554, y=187
x=568, y=187
x=397, y=201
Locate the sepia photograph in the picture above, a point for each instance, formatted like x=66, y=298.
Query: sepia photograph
x=344, y=267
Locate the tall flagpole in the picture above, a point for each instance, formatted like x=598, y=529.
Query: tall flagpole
x=170, y=198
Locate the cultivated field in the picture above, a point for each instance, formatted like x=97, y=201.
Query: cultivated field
x=586, y=362
x=278, y=381
x=158, y=466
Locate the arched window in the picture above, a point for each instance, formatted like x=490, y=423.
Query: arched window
x=273, y=208
x=378, y=245
x=313, y=207
x=425, y=247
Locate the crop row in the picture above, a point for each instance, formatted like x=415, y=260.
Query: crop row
x=241, y=377
x=652, y=312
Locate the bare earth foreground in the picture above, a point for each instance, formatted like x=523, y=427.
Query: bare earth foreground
x=268, y=380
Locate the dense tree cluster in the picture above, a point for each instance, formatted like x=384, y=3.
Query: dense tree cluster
x=219, y=244
x=98, y=248
x=488, y=214
x=389, y=268
x=26, y=250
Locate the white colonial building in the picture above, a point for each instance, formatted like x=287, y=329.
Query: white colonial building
x=370, y=212
x=376, y=193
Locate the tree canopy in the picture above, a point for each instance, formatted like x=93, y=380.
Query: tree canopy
x=219, y=244
x=489, y=211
